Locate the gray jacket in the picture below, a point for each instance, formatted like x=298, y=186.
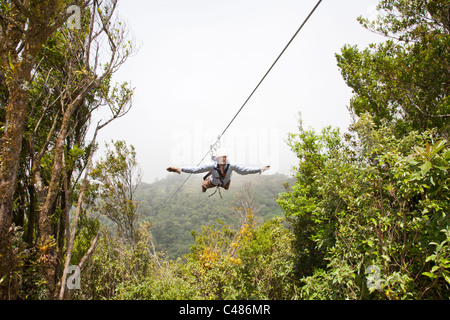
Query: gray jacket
x=215, y=177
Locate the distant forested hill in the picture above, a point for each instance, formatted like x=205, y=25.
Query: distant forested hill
x=173, y=216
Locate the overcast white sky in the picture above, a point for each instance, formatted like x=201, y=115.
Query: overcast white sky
x=200, y=59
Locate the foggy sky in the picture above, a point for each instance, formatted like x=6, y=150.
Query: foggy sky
x=198, y=61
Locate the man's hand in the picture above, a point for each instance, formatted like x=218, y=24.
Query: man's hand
x=265, y=168
x=173, y=169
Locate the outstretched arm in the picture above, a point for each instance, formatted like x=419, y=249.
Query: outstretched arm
x=197, y=169
x=248, y=170
x=174, y=169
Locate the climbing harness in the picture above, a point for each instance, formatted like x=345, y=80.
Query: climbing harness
x=221, y=176
x=217, y=189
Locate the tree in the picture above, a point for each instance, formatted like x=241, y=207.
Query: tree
x=301, y=201
x=70, y=80
x=404, y=80
x=85, y=87
x=25, y=27
x=117, y=178
x=225, y=262
x=267, y=269
x=369, y=207
x=376, y=200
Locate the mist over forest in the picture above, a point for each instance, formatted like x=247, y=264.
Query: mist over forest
x=173, y=217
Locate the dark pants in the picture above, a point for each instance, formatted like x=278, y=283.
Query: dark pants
x=207, y=184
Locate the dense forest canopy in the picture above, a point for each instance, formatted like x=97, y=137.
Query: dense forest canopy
x=54, y=75
x=174, y=217
x=365, y=215
x=377, y=197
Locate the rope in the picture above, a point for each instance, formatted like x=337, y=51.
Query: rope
x=256, y=88
x=217, y=189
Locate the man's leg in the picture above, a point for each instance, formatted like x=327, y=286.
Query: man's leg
x=207, y=184
x=227, y=186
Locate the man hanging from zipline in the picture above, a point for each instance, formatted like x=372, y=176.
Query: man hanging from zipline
x=219, y=171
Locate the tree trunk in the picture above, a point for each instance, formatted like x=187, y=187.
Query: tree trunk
x=20, y=42
x=71, y=241
x=47, y=236
x=10, y=148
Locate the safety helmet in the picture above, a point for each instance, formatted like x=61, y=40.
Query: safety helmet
x=222, y=152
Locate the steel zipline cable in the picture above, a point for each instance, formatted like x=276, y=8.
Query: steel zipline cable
x=254, y=90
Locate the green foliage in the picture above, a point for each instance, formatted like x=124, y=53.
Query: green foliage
x=441, y=260
x=158, y=288
x=116, y=178
x=62, y=79
x=174, y=218
x=382, y=203
x=115, y=263
x=88, y=228
x=268, y=263
x=377, y=198
x=252, y=263
x=302, y=200
x=405, y=79
x=367, y=211
x=224, y=263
